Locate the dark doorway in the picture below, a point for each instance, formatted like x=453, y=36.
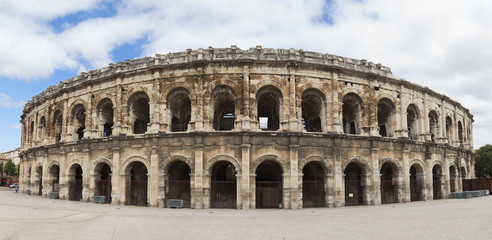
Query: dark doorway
x=436, y=181
x=223, y=185
x=269, y=185
x=313, y=187
x=389, y=187
x=178, y=186
x=416, y=183
x=354, y=191
x=55, y=178
x=40, y=174
x=137, y=185
x=75, y=185
x=103, y=184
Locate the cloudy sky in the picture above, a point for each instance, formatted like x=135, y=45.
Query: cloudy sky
x=445, y=45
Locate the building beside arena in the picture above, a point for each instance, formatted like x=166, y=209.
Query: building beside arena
x=245, y=129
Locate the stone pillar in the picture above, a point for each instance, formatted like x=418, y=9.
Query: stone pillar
x=86, y=176
x=406, y=175
x=376, y=176
x=338, y=180
x=153, y=192
x=244, y=190
x=117, y=188
x=329, y=181
x=246, y=116
x=197, y=188
x=92, y=184
x=428, y=177
x=293, y=111
x=295, y=201
x=336, y=107
x=117, y=105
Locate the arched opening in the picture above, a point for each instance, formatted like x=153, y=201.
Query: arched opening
x=55, y=178
x=178, y=182
x=416, y=183
x=312, y=107
x=433, y=125
x=452, y=176
x=463, y=172
x=223, y=185
x=224, y=108
x=75, y=183
x=42, y=128
x=269, y=185
x=449, y=132
x=31, y=132
x=57, y=125
x=412, y=122
x=386, y=117
x=389, y=183
x=139, y=112
x=180, y=105
x=313, y=185
x=436, y=181
x=351, y=113
x=103, y=181
x=460, y=132
x=105, y=115
x=354, y=185
x=39, y=173
x=268, y=108
x=137, y=184
x=78, y=120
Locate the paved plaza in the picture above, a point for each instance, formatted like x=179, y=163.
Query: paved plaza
x=32, y=217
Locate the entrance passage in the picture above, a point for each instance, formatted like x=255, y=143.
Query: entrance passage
x=40, y=174
x=55, y=178
x=354, y=191
x=75, y=185
x=269, y=185
x=313, y=187
x=389, y=187
x=416, y=182
x=223, y=185
x=178, y=186
x=137, y=185
x=436, y=181
x=452, y=176
x=103, y=184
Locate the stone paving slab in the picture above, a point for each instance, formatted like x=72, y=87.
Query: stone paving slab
x=31, y=217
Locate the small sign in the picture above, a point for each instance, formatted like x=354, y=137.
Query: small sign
x=351, y=195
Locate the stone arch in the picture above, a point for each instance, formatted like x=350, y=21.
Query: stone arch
x=418, y=163
x=352, y=113
x=77, y=102
x=168, y=161
x=315, y=86
x=105, y=115
x=125, y=169
x=272, y=157
x=413, y=114
x=70, y=171
x=280, y=86
x=223, y=102
x=386, y=116
x=133, y=90
x=52, y=163
x=269, y=110
x=179, y=104
x=96, y=165
x=327, y=167
x=366, y=169
x=434, y=126
x=222, y=157
x=175, y=85
x=392, y=161
x=313, y=109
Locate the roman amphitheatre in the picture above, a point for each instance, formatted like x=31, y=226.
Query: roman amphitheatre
x=244, y=129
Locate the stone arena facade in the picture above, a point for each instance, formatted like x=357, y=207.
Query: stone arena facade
x=244, y=129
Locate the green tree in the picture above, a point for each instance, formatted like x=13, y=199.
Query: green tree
x=9, y=168
x=1, y=168
x=483, y=162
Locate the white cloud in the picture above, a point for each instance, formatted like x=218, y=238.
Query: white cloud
x=445, y=46
x=16, y=126
x=7, y=101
